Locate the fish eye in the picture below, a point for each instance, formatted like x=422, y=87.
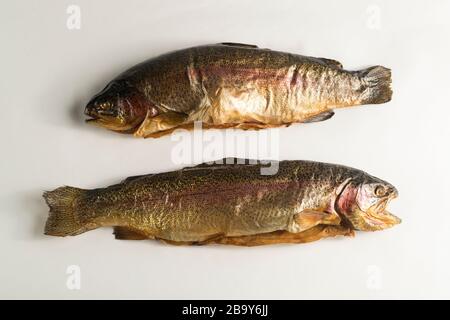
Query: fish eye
x=380, y=191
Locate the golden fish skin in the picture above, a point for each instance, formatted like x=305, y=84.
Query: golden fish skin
x=227, y=202
x=232, y=85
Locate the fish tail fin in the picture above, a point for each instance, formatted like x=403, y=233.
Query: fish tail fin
x=377, y=85
x=62, y=220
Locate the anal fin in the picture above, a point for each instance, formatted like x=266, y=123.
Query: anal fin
x=320, y=117
x=308, y=219
x=124, y=233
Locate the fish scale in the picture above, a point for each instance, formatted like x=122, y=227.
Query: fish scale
x=198, y=203
x=232, y=85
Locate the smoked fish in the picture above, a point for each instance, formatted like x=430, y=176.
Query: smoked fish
x=229, y=202
x=232, y=85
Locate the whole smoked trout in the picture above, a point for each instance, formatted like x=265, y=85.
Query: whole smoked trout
x=229, y=204
x=230, y=85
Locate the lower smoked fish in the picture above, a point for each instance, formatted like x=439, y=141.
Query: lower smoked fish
x=229, y=204
x=230, y=85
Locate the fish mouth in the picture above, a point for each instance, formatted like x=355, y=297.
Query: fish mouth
x=95, y=120
x=376, y=217
x=100, y=122
x=110, y=125
x=92, y=116
x=98, y=118
x=91, y=119
x=381, y=221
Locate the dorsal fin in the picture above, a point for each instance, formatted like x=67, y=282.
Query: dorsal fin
x=129, y=179
x=230, y=161
x=235, y=44
x=332, y=63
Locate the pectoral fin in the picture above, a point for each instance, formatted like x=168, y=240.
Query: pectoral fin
x=310, y=218
x=163, y=122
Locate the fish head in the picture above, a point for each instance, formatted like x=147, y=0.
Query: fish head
x=118, y=107
x=363, y=203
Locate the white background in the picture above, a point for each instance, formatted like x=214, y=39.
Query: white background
x=48, y=73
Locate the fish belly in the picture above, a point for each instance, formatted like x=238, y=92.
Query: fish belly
x=274, y=98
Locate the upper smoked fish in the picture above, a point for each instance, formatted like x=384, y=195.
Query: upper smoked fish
x=229, y=204
x=232, y=85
